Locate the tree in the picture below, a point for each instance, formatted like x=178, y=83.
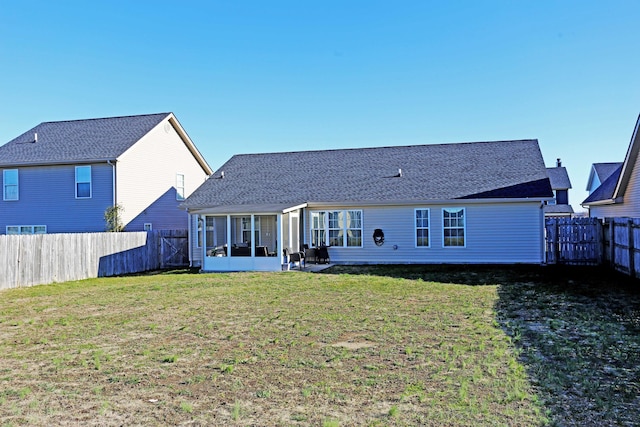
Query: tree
x=113, y=218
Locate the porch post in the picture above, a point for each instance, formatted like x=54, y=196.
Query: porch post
x=229, y=235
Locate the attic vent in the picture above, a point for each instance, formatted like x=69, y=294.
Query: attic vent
x=167, y=127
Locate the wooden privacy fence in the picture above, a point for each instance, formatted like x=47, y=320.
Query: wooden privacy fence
x=27, y=260
x=621, y=247
x=589, y=241
x=573, y=241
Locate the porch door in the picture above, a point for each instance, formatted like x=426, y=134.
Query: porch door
x=294, y=231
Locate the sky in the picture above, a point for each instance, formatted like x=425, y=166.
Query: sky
x=245, y=76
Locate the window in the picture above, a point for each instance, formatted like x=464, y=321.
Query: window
x=337, y=228
x=10, y=183
x=148, y=226
x=422, y=228
x=26, y=229
x=246, y=229
x=83, y=182
x=453, y=227
x=318, y=231
x=179, y=186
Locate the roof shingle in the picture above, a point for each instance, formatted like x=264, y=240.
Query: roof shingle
x=78, y=140
x=504, y=169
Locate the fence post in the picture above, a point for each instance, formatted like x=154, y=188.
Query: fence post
x=612, y=242
x=556, y=243
x=631, y=249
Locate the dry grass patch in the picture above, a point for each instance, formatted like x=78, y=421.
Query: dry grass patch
x=260, y=349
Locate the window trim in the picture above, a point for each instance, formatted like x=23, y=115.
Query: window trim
x=464, y=228
x=20, y=227
x=180, y=194
x=416, y=228
x=323, y=226
x=84, y=182
x=5, y=185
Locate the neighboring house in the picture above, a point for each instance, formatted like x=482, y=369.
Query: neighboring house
x=60, y=177
x=449, y=203
x=619, y=194
x=599, y=173
x=560, y=184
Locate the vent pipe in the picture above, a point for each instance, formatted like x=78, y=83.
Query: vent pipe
x=35, y=137
x=558, y=162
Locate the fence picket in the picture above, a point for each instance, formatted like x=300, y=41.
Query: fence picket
x=27, y=260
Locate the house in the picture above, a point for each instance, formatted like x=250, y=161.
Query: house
x=447, y=203
x=60, y=177
x=619, y=194
x=599, y=173
x=560, y=184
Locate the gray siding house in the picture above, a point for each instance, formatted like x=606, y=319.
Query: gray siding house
x=60, y=177
x=447, y=203
x=619, y=194
x=560, y=184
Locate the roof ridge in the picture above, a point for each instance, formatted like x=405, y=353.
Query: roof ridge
x=388, y=146
x=107, y=118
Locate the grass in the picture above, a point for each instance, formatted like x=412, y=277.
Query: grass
x=357, y=346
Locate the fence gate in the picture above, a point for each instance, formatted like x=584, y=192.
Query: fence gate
x=573, y=241
x=174, y=248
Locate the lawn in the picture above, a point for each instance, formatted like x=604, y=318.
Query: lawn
x=354, y=346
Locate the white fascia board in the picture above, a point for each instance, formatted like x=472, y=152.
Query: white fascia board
x=312, y=205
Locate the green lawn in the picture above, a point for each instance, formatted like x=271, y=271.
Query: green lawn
x=354, y=346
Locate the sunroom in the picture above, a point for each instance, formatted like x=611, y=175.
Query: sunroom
x=248, y=238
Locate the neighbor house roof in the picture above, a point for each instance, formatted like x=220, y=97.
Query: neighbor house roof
x=606, y=190
x=612, y=190
x=87, y=140
x=418, y=173
x=559, y=178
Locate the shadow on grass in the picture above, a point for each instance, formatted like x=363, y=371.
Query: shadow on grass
x=577, y=331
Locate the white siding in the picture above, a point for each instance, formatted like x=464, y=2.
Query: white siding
x=146, y=179
x=495, y=233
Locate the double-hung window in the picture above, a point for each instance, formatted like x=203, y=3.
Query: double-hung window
x=10, y=184
x=83, y=182
x=179, y=186
x=422, y=228
x=341, y=228
x=453, y=225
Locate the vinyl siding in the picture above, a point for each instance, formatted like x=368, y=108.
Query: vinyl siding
x=47, y=197
x=630, y=207
x=146, y=180
x=495, y=233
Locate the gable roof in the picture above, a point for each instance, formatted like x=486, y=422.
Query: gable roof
x=616, y=184
x=606, y=190
x=601, y=171
x=88, y=140
x=559, y=178
x=502, y=169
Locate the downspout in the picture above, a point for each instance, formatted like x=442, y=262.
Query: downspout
x=113, y=185
x=113, y=180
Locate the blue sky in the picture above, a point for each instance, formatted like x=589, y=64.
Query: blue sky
x=262, y=76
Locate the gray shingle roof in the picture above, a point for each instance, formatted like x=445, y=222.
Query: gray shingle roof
x=605, y=170
x=606, y=189
x=503, y=169
x=559, y=178
x=78, y=140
